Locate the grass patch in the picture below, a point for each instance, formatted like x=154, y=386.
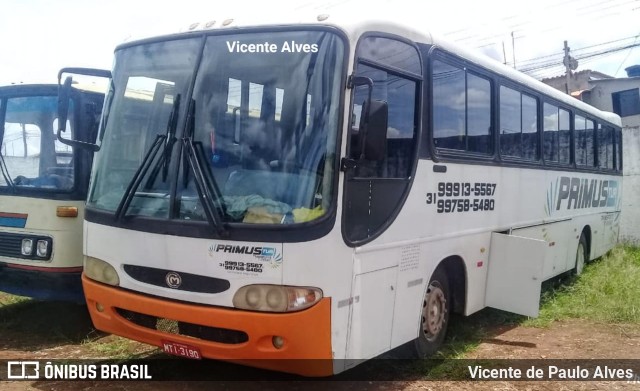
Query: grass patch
x=466, y=333
x=7, y=299
x=113, y=347
x=117, y=348
x=46, y=322
x=607, y=291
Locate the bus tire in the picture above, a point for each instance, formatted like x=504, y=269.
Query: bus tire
x=434, y=318
x=582, y=255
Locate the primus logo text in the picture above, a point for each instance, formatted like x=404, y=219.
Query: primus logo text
x=579, y=193
x=258, y=251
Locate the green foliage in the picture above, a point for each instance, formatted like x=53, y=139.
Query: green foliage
x=608, y=291
x=114, y=347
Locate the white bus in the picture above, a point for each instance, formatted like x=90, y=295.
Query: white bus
x=332, y=189
x=43, y=186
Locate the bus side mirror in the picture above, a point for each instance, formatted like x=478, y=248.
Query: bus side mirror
x=64, y=92
x=373, y=129
x=64, y=95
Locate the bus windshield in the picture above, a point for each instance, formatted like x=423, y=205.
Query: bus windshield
x=261, y=118
x=32, y=157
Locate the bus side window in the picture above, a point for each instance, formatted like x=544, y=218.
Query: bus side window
x=461, y=109
x=605, y=147
x=400, y=95
x=585, y=141
x=551, y=137
x=518, y=124
x=564, y=137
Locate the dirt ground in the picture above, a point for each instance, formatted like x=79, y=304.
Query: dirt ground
x=68, y=334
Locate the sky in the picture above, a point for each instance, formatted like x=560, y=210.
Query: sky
x=38, y=37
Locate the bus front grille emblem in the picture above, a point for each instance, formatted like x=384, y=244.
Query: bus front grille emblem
x=173, y=280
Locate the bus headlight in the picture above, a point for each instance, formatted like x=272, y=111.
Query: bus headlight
x=276, y=298
x=42, y=248
x=27, y=247
x=100, y=271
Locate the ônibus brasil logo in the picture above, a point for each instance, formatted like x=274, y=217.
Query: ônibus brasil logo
x=265, y=254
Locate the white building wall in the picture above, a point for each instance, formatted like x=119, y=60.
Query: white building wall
x=600, y=97
x=630, y=223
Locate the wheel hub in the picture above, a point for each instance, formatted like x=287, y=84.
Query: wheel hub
x=434, y=310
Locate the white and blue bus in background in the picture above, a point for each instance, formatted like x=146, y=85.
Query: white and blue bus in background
x=43, y=187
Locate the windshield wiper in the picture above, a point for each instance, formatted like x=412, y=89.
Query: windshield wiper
x=130, y=192
x=168, y=140
x=5, y=173
x=210, y=196
x=165, y=159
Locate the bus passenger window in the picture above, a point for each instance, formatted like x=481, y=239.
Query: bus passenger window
x=564, y=137
x=510, y=123
x=479, y=114
x=461, y=109
x=518, y=124
x=591, y=144
x=529, y=128
x=605, y=147
x=585, y=141
x=550, y=132
x=448, y=106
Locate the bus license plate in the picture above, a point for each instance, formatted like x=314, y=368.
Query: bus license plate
x=182, y=350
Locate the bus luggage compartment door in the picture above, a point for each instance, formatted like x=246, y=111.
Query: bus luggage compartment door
x=515, y=274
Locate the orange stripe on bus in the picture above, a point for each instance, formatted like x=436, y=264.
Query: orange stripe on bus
x=307, y=333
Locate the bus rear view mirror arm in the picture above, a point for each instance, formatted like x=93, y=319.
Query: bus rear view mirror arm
x=74, y=143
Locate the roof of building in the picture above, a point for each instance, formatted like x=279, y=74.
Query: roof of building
x=591, y=74
x=631, y=79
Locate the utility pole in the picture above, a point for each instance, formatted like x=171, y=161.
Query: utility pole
x=566, y=63
x=571, y=64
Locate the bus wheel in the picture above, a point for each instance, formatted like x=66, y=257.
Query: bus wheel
x=582, y=254
x=434, y=316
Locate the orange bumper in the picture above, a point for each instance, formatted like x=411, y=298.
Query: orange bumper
x=307, y=334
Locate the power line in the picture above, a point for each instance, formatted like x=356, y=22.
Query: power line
x=580, y=57
x=593, y=14
x=542, y=62
x=626, y=57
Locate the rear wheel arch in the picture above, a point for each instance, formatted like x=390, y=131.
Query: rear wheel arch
x=457, y=276
x=583, y=250
x=444, y=293
x=586, y=231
